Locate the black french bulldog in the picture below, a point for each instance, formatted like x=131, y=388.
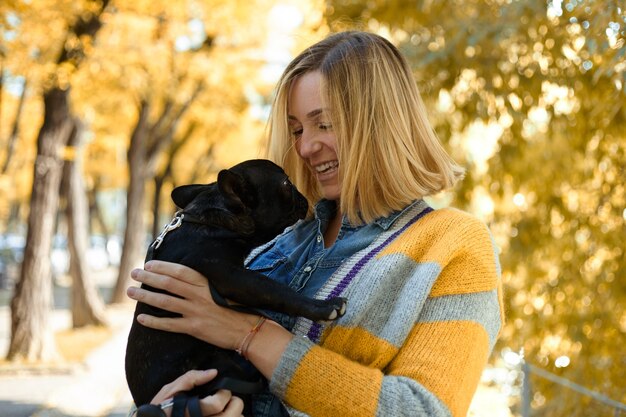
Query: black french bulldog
x=219, y=224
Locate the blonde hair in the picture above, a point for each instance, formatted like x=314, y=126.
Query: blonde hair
x=388, y=153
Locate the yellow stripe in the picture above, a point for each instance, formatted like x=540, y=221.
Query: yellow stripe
x=459, y=243
x=328, y=375
x=447, y=358
x=360, y=345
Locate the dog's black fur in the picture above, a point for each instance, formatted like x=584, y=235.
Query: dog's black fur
x=248, y=205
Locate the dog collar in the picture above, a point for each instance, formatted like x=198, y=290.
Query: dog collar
x=179, y=217
x=172, y=225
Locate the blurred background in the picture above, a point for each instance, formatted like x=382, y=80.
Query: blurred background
x=105, y=106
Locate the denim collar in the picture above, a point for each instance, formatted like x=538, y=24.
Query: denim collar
x=325, y=209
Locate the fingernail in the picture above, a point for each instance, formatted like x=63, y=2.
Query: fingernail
x=130, y=291
x=147, y=266
x=134, y=273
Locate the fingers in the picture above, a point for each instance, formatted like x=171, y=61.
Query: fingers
x=178, y=271
x=174, y=325
x=163, y=282
x=184, y=382
x=164, y=301
x=217, y=404
x=222, y=403
x=172, y=284
x=234, y=408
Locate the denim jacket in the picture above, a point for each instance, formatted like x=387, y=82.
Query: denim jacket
x=299, y=259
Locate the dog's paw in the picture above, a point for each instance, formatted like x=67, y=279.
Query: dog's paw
x=339, y=308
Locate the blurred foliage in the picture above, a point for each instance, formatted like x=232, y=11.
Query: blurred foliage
x=158, y=50
x=531, y=95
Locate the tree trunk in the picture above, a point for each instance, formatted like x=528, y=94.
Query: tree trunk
x=87, y=306
x=134, y=234
x=156, y=205
x=31, y=337
x=95, y=213
x=159, y=180
x=14, y=220
x=15, y=130
x=147, y=142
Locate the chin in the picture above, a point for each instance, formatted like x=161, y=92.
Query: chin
x=331, y=194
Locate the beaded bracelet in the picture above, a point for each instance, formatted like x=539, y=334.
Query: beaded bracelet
x=245, y=343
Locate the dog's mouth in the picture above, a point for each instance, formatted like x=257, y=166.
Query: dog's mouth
x=302, y=207
x=299, y=208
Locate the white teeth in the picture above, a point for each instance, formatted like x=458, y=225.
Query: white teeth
x=326, y=166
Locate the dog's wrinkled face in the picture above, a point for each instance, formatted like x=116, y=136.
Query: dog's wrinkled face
x=273, y=201
x=255, y=197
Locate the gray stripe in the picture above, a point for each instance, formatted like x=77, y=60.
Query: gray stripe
x=397, y=288
x=289, y=361
x=294, y=413
x=403, y=397
x=481, y=307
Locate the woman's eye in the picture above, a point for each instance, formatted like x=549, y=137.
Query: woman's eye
x=296, y=133
x=325, y=126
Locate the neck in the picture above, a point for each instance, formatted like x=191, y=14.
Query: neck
x=332, y=230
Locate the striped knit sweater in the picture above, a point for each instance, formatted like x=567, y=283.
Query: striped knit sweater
x=424, y=312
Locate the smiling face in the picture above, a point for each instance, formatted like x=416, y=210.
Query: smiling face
x=313, y=134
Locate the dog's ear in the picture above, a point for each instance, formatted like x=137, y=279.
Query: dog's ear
x=183, y=195
x=235, y=190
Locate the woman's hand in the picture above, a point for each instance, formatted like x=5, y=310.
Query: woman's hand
x=201, y=317
x=222, y=403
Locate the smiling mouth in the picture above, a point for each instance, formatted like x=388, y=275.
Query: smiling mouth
x=326, y=167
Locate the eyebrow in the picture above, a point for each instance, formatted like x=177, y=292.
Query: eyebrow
x=310, y=115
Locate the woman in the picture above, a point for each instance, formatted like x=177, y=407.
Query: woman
x=423, y=289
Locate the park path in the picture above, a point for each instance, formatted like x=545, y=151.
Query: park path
x=95, y=388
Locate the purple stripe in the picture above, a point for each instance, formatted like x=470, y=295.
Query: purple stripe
x=314, y=332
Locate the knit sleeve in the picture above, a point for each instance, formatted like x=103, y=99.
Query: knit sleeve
x=321, y=382
x=431, y=369
x=457, y=327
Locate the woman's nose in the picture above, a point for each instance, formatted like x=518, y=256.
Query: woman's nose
x=308, y=145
